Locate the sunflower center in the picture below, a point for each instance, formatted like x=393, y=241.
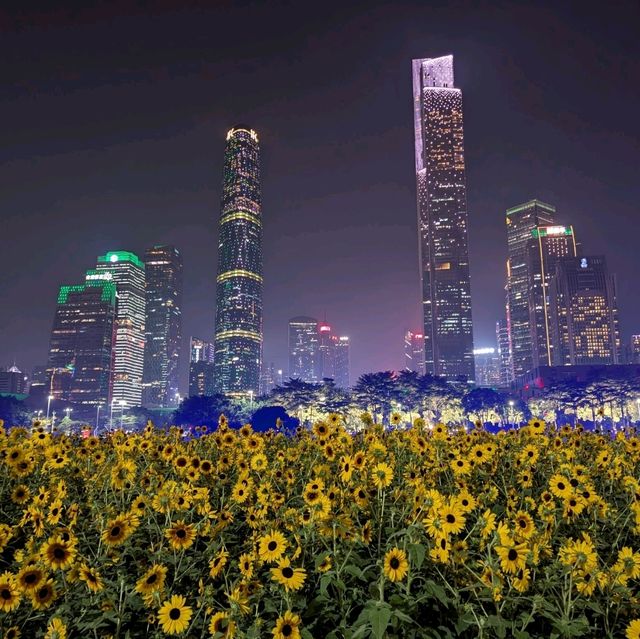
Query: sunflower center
x=181, y=533
x=451, y=519
x=394, y=563
x=115, y=531
x=5, y=593
x=59, y=553
x=287, y=572
x=560, y=486
x=513, y=554
x=43, y=593
x=272, y=545
x=287, y=630
x=30, y=578
x=174, y=613
x=523, y=523
x=151, y=579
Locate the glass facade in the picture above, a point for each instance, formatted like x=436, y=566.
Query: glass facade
x=128, y=273
x=201, y=368
x=303, y=349
x=522, y=220
x=414, y=352
x=504, y=353
x=342, y=361
x=238, y=336
x=163, y=326
x=81, y=349
x=442, y=219
x=584, y=315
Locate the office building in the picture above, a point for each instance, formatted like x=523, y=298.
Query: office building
x=326, y=363
x=414, y=352
x=13, y=381
x=128, y=274
x=442, y=219
x=201, y=368
x=504, y=354
x=342, y=361
x=238, y=332
x=303, y=349
x=163, y=326
x=81, y=349
x=584, y=314
x=522, y=220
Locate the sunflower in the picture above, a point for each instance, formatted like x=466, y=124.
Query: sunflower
x=12, y=633
x=287, y=627
x=56, y=629
x=460, y=466
x=396, y=565
x=452, y=518
x=180, y=535
x=325, y=564
x=522, y=579
x=218, y=563
x=245, y=564
x=395, y=419
x=116, y=532
x=346, y=468
x=43, y=596
x=29, y=578
x=20, y=494
x=272, y=546
x=174, y=615
x=513, y=557
x=9, y=592
x=58, y=554
x=152, y=580
x=559, y=486
x=382, y=475
x=290, y=578
x=223, y=624
x=91, y=577
x=524, y=526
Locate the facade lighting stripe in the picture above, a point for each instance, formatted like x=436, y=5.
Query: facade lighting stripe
x=240, y=215
x=531, y=204
x=239, y=333
x=229, y=275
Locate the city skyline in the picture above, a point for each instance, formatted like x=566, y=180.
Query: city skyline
x=169, y=192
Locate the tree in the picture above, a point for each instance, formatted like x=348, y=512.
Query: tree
x=202, y=411
x=13, y=412
x=483, y=401
x=295, y=395
x=375, y=392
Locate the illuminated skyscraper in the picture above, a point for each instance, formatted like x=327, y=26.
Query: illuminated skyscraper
x=128, y=274
x=80, y=362
x=201, y=368
x=584, y=314
x=326, y=362
x=521, y=222
x=504, y=353
x=238, y=337
x=303, y=349
x=342, y=361
x=634, y=350
x=163, y=327
x=442, y=219
x=487, y=367
x=547, y=245
x=414, y=352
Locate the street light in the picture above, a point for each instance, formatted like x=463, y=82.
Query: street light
x=511, y=403
x=97, y=418
x=49, y=404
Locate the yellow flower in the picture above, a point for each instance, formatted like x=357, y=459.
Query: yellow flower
x=9, y=593
x=452, y=518
x=382, y=475
x=524, y=527
x=513, y=557
x=174, y=615
x=152, y=580
x=633, y=630
x=272, y=546
x=43, y=596
x=29, y=578
x=58, y=554
x=222, y=623
x=287, y=627
x=290, y=578
x=56, y=629
x=91, y=577
x=180, y=535
x=217, y=564
x=396, y=565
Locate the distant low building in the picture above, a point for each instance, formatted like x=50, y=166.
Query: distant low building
x=13, y=381
x=487, y=366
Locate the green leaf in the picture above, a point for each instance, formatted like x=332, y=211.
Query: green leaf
x=417, y=554
x=379, y=617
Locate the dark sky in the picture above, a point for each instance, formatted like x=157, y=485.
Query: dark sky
x=113, y=124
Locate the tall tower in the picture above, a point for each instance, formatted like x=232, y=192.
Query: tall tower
x=326, y=362
x=303, y=349
x=82, y=339
x=521, y=221
x=128, y=274
x=414, y=352
x=201, y=368
x=504, y=353
x=342, y=362
x=238, y=336
x=163, y=327
x=442, y=219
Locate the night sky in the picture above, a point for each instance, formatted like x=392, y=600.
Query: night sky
x=113, y=126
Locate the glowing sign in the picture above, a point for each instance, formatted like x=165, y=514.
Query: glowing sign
x=324, y=328
x=483, y=351
x=113, y=258
x=543, y=231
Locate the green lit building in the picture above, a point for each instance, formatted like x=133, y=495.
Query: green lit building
x=127, y=272
x=238, y=331
x=163, y=326
x=80, y=363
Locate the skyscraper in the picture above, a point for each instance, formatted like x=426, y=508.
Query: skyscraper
x=521, y=221
x=128, y=274
x=238, y=336
x=80, y=363
x=163, y=326
x=326, y=362
x=303, y=348
x=12, y=381
x=342, y=361
x=442, y=219
x=487, y=367
x=634, y=350
x=547, y=245
x=201, y=368
x=504, y=354
x=414, y=352
x=584, y=314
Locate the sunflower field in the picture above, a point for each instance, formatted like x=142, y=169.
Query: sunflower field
x=425, y=531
